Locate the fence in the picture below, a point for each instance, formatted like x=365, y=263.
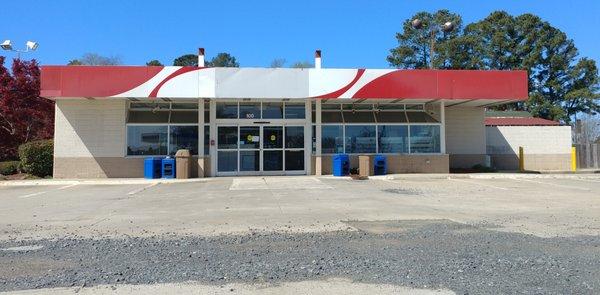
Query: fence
x=588, y=155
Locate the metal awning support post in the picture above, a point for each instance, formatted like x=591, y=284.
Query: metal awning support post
x=443, y=127
x=318, y=160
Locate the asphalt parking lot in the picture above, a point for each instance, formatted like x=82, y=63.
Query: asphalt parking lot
x=425, y=233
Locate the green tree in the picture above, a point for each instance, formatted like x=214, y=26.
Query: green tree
x=413, y=50
x=74, y=62
x=302, y=65
x=561, y=84
x=154, y=62
x=221, y=60
x=186, y=60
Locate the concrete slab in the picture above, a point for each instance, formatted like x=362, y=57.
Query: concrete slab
x=330, y=286
x=547, y=206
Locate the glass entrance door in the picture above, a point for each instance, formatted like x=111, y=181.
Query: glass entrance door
x=260, y=150
x=272, y=148
x=249, y=140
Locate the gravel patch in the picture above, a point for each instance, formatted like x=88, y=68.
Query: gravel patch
x=417, y=254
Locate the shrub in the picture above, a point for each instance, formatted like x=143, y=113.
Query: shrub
x=9, y=167
x=482, y=168
x=36, y=157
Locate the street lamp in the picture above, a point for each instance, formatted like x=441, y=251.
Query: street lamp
x=447, y=27
x=29, y=46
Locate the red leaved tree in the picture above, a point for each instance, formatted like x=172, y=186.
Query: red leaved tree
x=24, y=115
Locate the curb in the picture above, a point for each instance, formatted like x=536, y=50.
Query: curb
x=52, y=182
x=488, y=176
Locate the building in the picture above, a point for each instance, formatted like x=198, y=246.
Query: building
x=270, y=121
x=546, y=144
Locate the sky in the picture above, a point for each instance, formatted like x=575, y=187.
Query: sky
x=351, y=34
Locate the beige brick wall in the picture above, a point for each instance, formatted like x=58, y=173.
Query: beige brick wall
x=465, y=136
x=545, y=147
x=90, y=128
x=89, y=140
x=397, y=164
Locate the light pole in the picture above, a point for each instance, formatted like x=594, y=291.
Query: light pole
x=433, y=29
x=29, y=46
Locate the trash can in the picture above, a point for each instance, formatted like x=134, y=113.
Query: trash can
x=183, y=160
x=152, y=167
x=168, y=167
x=341, y=165
x=380, y=163
x=364, y=166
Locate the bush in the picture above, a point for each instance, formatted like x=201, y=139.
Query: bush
x=9, y=167
x=36, y=157
x=482, y=168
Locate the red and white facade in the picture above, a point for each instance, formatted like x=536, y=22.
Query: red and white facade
x=99, y=99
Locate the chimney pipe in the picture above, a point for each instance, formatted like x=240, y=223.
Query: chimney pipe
x=318, y=59
x=201, y=57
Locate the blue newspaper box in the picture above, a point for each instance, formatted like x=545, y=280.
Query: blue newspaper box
x=168, y=167
x=341, y=165
x=380, y=163
x=152, y=167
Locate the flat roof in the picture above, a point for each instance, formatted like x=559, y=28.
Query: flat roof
x=519, y=121
x=469, y=87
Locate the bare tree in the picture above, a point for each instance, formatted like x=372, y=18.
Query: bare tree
x=278, y=63
x=587, y=130
x=94, y=59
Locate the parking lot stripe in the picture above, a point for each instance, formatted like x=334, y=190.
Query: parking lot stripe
x=133, y=192
x=588, y=180
x=32, y=195
x=477, y=183
x=43, y=192
x=554, y=184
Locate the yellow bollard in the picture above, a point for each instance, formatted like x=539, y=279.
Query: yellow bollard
x=521, y=159
x=573, y=159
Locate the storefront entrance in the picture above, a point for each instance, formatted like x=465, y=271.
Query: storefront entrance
x=257, y=149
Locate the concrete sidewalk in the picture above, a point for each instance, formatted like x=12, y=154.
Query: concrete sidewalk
x=428, y=176
x=100, y=181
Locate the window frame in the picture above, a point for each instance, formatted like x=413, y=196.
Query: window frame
x=410, y=152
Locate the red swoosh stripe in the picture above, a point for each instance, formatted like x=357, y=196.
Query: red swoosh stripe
x=342, y=90
x=181, y=71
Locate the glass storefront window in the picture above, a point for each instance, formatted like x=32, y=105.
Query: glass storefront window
x=272, y=137
x=227, y=137
x=360, y=139
x=294, y=160
x=295, y=111
x=249, y=160
x=424, y=139
x=332, y=141
x=184, y=116
x=137, y=116
x=206, y=140
x=250, y=110
x=392, y=138
x=249, y=137
x=227, y=161
x=183, y=137
x=273, y=160
x=294, y=137
x=227, y=110
x=272, y=110
x=146, y=140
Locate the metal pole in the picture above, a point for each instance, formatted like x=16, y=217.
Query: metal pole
x=431, y=48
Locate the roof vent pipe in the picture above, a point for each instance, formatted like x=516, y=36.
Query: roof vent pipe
x=317, y=59
x=201, y=57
